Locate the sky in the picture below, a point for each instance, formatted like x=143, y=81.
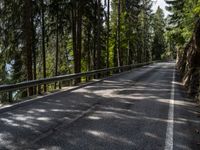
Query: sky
x=157, y=3
x=162, y=5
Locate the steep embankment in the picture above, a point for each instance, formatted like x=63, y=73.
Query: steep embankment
x=189, y=63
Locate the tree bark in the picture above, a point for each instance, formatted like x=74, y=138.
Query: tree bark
x=77, y=36
x=57, y=46
x=95, y=38
x=118, y=34
x=98, y=35
x=27, y=32
x=34, y=57
x=74, y=26
x=88, y=48
x=43, y=44
x=108, y=31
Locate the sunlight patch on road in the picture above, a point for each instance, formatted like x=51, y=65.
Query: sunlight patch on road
x=108, y=136
x=94, y=117
x=9, y=122
x=43, y=119
x=151, y=135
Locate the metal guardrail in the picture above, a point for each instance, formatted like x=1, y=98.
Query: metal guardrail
x=32, y=83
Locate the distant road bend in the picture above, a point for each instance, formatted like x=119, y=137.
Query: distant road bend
x=143, y=109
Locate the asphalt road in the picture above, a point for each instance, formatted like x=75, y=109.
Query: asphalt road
x=144, y=109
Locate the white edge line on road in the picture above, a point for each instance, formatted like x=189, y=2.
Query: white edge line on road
x=170, y=124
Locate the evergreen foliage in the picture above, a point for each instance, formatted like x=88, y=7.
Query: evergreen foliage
x=45, y=38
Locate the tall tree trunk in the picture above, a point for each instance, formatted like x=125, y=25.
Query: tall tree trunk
x=74, y=26
x=57, y=46
x=43, y=44
x=77, y=36
x=128, y=52
x=139, y=46
x=144, y=45
x=34, y=56
x=95, y=38
x=144, y=32
x=88, y=48
x=129, y=57
x=115, y=58
x=98, y=35
x=118, y=34
x=27, y=32
x=108, y=32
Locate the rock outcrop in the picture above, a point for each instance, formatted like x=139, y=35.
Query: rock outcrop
x=189, y=63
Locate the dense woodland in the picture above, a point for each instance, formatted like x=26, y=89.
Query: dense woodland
x=46, y=38
x=184, y=31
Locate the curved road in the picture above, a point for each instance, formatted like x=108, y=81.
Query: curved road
x=143, y=109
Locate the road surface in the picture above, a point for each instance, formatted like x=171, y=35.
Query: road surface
x=143, y=109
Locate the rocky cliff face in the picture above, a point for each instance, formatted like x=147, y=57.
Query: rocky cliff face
x=189, y=63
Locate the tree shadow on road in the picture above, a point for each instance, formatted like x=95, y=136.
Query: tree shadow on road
x=129, y=114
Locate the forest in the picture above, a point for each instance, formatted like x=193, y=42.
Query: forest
x=47, y=38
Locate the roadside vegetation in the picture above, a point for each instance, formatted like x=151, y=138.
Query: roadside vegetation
x=184, y=31
x=46, y=38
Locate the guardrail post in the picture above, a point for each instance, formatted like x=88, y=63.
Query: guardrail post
x=10, y=96
x=39, y=90
x=86, y=78
x=60, y=85
x=119, y=70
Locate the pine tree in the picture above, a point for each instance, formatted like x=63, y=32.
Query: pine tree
x=158, y=45
x=27, y=34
